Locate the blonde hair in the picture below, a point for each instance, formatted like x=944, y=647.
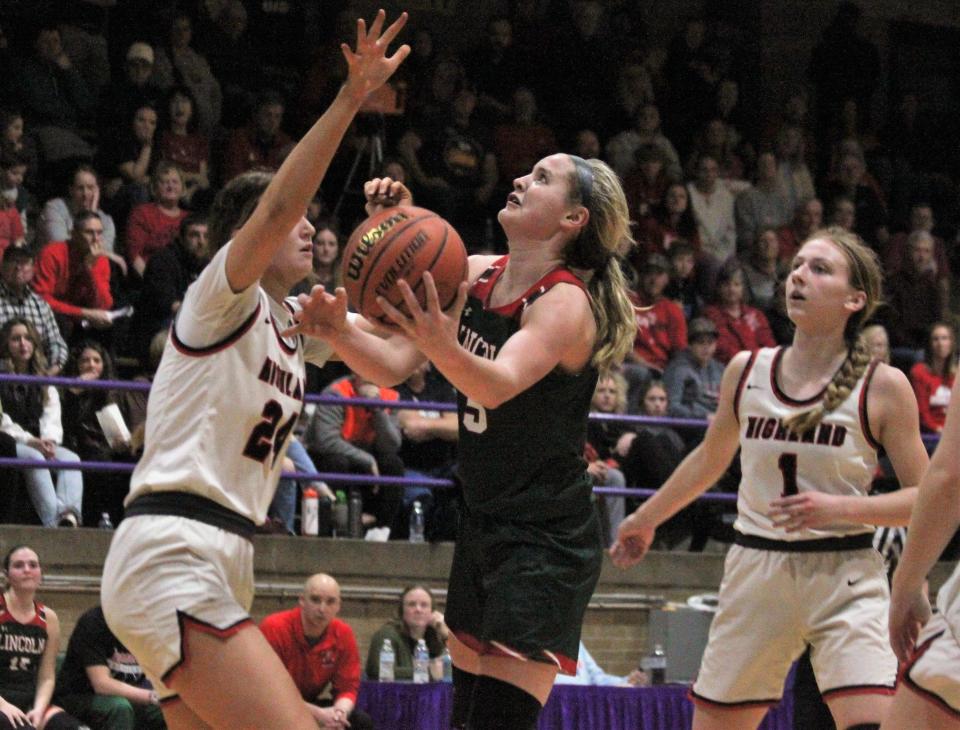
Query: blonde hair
x=598, y=248
x=619, y=384
x=865, y=275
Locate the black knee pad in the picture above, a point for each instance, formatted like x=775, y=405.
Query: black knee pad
x=62, y=721
x=498, y=705
x=865, y=726
x=463, y=683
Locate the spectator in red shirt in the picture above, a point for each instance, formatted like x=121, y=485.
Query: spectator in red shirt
x=182, y=144
x=740, y=327
x=261, y=145
x=152, y=226
x=807, y=219
x=74, y=276
x=932, y=378
x=661, y=327
x=318, y=649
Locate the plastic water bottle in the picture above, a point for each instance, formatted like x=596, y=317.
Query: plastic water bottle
x=387, y=661
x=417, y=522
x=355, y=514
x=105, y=523
x=657, y=665
x=421, y=663
x=310, y=512
x=447, y=665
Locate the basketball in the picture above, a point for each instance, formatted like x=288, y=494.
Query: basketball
x=402, y=242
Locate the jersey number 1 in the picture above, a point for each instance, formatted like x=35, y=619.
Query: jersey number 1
x=266, y=437
x=788, y=468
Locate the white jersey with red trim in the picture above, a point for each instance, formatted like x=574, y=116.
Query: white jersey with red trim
x=226, y=397
x=838, y=457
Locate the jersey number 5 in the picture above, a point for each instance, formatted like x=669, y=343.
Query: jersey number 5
x=788, y=468
x=266, y=437
x=474, y=417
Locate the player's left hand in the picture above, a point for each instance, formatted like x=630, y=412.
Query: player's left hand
x=909, y=613
x=430, y=329
x=369, y=67
x=321, y=314
x=805, y=510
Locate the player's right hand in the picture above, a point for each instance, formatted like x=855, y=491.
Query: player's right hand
x=321, y=314
x=385, y=192
x=14, y=714
x=634, y=538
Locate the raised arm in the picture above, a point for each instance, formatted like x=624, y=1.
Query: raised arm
x=701, y=468
x=296, y=182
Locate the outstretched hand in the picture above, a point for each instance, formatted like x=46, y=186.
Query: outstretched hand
x=430, y=329
x=321, y=314
x=369, y=67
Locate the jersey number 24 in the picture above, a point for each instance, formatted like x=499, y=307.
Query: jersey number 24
x=266, y=438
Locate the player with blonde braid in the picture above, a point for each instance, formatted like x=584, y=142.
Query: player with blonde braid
x=808, y=420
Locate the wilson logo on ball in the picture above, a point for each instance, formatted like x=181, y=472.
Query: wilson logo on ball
x=366, y=243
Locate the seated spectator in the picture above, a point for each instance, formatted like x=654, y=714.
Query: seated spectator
x=792, y=171
x=416, y=619
x=807, y=218
x=661, y=327
x=764, y=205
x=649, y=453
x=56, y=218
x=101, y=682
x=152, y=226
x=17, y=299
x=165, y=280
x=13, y=171
x=31, y=633
x=921, y=219
x=671, y=221
x=590, y=673
x=83, y=434
x=622, y=148
x=719, y=141
x=184, y=146
x=327, y=247
x=877, y=341
x=763, y=270
x=610, y=397
x=646, y=184
x=12, y=231
x=73, y=276
x=429, y=446
x=871, y=211
x=932, y=378
x=740, y=327
x=693, y=376
x=360, y=440
x=713, y=208
x=261, y=144
x=918, y=296
x=12, y=138
x=121, y=99
x=176, y=61
x=54, y=98
x=31, y=415
x=320, y=650
x=684, y=286
x=843, y=213
x=126, y=164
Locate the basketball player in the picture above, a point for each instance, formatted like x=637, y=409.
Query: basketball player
x=523, y=349
x=178, y=581
x=808, y=420
x=929, y=695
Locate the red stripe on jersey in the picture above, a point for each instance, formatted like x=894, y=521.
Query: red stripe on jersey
x=862, y=406
x=483, y=287
x=742, y=382
x=705, y=702
x=783, y=397
x=39, y=615
x=496, y=648
x=186, y=621
x=216, y=346
x=931, y=697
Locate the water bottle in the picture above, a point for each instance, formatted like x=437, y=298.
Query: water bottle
x=447, y=665
x=417, y=522
x=341, y=517
x=105, y=523
x=355, y=515
x=310, y=512
x=387, y=661
x=655, y=665
x=421, y=663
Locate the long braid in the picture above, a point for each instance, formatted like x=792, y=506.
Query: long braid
x=846, y=378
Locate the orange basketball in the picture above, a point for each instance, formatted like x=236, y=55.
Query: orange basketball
x=401, y=243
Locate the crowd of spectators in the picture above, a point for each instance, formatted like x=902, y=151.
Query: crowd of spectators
x=118, y=124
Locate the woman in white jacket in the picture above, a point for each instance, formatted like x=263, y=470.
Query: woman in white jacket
x=31, y=415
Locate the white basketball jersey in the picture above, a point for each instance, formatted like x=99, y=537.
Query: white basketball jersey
x=225, y=398
x=839, y=456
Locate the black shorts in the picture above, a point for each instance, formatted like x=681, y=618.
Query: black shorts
x=522, y=589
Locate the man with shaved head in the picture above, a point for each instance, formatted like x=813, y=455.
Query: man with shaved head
x=318, y=650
